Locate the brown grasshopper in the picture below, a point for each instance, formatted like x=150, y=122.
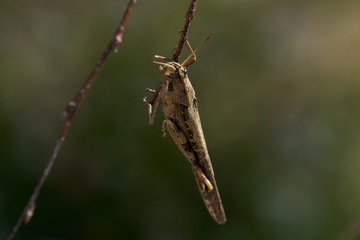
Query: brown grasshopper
x=182, y=121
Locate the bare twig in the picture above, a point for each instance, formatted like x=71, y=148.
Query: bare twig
x=189, y=16
x=352, y=230
x=69, y=114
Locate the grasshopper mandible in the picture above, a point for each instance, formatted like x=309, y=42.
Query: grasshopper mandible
x=182, y=121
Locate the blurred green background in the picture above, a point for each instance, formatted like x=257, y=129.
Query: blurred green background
x=278, y=91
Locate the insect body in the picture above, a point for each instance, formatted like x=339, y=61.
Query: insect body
x=182, y=122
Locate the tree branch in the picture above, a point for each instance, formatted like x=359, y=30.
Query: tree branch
x=189, y=17
x=69, y=114
x=352, y=230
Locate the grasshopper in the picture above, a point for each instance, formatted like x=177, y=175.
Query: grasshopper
x=182, y=122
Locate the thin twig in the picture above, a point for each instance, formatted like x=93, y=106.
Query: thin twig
x=69, y=114
x=189, y=16
x=352, y=230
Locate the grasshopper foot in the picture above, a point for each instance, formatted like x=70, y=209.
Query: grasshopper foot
x=206, y=181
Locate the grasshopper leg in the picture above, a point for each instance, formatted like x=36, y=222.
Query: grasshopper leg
x=182, y=142
x=163, y=128
x=193, y=59
x=150, y=90
x=152, y=114
x=206, y=181
x=158, y=57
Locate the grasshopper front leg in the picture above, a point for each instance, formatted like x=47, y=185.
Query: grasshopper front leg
x=193, y=59
x=158, y=57
x=152, y=115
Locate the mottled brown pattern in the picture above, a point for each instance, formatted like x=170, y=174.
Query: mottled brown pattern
x=182, y=121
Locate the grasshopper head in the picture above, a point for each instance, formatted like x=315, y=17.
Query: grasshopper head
x=171, y=70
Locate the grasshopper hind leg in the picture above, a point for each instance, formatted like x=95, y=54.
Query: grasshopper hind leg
x=206, y=181
x=183, y=144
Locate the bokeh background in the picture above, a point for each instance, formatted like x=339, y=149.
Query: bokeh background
x=278, y=90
